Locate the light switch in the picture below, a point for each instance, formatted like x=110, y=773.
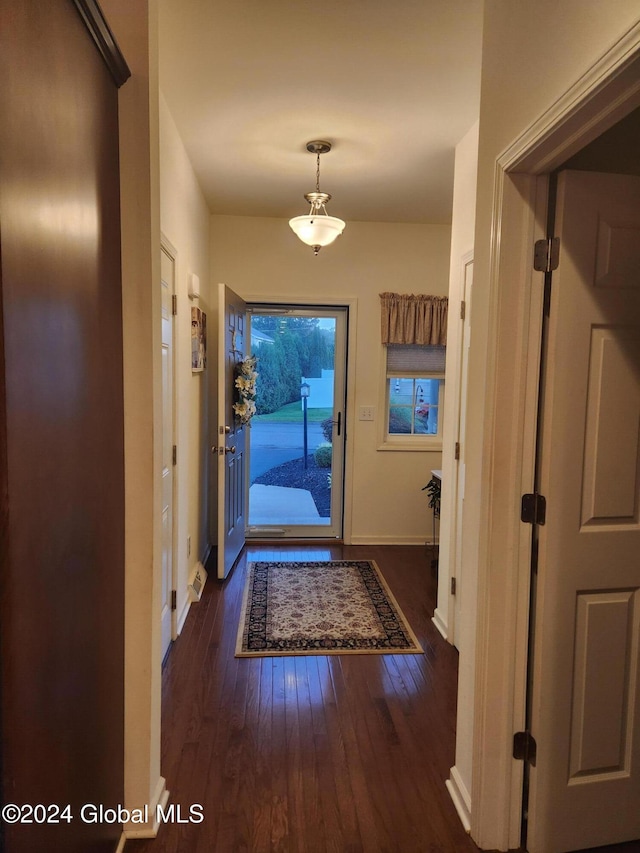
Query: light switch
x=366, y=413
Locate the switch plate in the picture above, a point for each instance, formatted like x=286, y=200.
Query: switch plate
x=366, y=413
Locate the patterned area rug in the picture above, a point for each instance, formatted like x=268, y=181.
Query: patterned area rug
x=342, y=607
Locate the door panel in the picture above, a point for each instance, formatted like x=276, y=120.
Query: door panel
x=585, y=787
x=231, y=434
x=62, y=573
x=167, y=283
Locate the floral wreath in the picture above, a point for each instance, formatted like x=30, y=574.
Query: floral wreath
x=245, y=382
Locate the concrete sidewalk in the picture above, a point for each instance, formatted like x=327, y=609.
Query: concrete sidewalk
x=282, y=506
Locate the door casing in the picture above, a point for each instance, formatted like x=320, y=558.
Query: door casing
x=596, y=102
x=172, y=254
x=351, y=303
x=335, y=529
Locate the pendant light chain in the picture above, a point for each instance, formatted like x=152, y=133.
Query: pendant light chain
x=318, y=172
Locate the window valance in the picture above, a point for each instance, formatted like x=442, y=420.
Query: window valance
x=414, y=319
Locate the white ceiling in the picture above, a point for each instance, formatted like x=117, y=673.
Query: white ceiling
x=392, y=84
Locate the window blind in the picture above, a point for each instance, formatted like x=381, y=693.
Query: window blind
x=409, y=358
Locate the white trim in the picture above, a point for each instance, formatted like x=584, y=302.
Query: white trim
x=121, y=843
x=167, y=246
x=503, y=575
x=602, y=96
x=460, y=796
x=150, y=829
x=440, y=624
x=421, y=444
x=449, y=527
x=374, y=539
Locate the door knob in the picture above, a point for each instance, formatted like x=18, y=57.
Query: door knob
x=231, y=449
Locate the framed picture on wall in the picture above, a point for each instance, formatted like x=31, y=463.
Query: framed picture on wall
x=198, y=340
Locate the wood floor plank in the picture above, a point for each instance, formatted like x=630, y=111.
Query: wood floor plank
x=343, y=754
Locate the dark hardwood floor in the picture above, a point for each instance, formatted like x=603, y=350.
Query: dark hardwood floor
x=343, y=753
x=314, y=754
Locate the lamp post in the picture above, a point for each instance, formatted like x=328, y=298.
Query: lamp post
x=305, y=390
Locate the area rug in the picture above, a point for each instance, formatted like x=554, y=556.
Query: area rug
x=314, y=608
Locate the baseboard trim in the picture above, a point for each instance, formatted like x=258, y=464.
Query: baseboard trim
x=389, y=540
x=182, y=618
x=150, y=828
x=440, y=623
x=460, y=796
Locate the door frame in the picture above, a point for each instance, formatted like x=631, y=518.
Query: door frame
x=351, y=303
x=444, y=616
x=301, y=531
x=604, y=95
x=172, y=252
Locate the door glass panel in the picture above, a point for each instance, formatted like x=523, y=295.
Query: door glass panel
x=296, y=449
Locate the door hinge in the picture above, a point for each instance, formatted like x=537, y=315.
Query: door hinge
x=175, y=455
x=546, y=254
x=533, y=509
x=463, y=310
x=525, y=747
x=174, y=304
x=174, y=600
x=456, y=452
x=453, y=586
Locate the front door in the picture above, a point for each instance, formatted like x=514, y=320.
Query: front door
x=230, y=448
x=585, y=785
x=296, y=452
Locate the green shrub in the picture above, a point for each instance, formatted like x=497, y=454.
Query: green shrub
x=323, y=455
x=327, y=429
x=399, y=421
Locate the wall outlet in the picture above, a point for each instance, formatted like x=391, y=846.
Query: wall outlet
x=188, y=546
x=366, y=413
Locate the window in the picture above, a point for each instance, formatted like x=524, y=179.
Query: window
x=413, y=396
x=414, y=405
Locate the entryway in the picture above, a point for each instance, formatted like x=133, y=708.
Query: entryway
x=295, y=446
x=319, y=752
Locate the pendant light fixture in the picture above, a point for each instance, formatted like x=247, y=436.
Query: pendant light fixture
x=317, y=228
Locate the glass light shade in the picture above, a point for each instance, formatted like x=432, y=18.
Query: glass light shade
x=317, y=229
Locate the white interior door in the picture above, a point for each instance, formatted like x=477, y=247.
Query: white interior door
x=458, y=564
x=167, y=272
x=585, y=786
x=232, y=312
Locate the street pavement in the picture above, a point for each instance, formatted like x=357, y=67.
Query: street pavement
x=272, y=444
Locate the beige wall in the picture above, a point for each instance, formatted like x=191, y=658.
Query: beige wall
x=262, y=259
x=184, y=219
x=533, y=51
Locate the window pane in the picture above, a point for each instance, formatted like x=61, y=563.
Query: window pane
x=413, y=406
x=401, y=391
x=399, y=420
